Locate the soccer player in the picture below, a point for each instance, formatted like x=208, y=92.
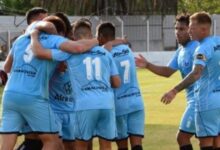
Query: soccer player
x=92, y=74
x=25, y=97
x=32, y=141
x=128, y=101
x=182, y=61
x=62, y=103
x=36, y=14
x=205, y=72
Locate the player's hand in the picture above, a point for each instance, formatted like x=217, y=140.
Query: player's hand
x=35, y=33
x=169, y=96
x=141, y=62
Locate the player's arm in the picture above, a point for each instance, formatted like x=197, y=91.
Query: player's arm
x=37, y=48
x=80, y=46
x=115, y=42
x=164, y=71
x=115, y=81
x=46, y=27
x=8, y=63
x=186, y=82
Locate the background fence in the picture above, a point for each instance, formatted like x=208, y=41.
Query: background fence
x=146, y=33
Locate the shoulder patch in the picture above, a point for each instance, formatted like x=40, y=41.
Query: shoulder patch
x=201, y=57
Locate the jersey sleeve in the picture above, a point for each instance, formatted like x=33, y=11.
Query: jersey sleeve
x=59, y=55
x=173, y=63
x=202, y=55
x=55, y=41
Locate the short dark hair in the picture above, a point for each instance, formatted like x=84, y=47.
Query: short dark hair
x=58, y=23
x=201, y=18
x=81, y=24
x=183, y=18
x=33, y=12
x=107, y=29
x=65, y=19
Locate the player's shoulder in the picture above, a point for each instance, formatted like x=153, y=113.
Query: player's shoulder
x=193, y=44
x=99, y=50
x=21, y=39
x=120, y=47
x=121, y=50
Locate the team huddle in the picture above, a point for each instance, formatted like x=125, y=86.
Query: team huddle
x=66, y=87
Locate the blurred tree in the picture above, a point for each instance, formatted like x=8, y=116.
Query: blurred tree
x=191, y=6
x=98, y=7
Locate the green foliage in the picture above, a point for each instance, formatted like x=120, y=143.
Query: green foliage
x=16, y=6
x=191, y=6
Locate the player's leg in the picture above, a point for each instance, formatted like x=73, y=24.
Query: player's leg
x=67, y=129
x=90, y=145
x=32, y=142
x=217, y=143
x=104, y=144
x=217, y=139
x=69, y=145
x=207, y=127
x=106, y=128
x=85, y=123
x=187, y=128
x=41, y=119
x=122, y=144
x=183, y=140
x=11, y=122
x=136, y=129
x=51, y=142
x=122, y=128
x=8, y=141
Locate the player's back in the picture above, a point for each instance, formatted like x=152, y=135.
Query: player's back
x=127, y=96
x=60, y=92
x=208, y=54
x=30, y=75
x=90, y=75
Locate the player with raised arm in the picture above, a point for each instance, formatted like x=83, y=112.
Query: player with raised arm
x=128, y=100
x=182, y=61
x=205, y=72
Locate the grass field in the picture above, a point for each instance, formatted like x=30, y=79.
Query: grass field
x=161, y=120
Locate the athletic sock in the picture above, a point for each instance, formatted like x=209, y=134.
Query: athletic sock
x=123, y=149
x=207, y=148
x=137, y=147
x=186, y=147
x=21, y=146
x=30, y=144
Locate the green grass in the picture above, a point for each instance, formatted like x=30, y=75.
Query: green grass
x=162, y=121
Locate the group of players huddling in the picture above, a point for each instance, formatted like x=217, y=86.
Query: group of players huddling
x=66, y=87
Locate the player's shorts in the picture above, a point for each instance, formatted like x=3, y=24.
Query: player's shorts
x=66, y=125
x=100, y=123
x=187, y=123
x=207, y=123
x=131, y=124
x=20, y=109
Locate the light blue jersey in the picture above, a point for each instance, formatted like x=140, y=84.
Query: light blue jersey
x=128, y=96
x=208, y=86
x=60, y=92
x=183, y=61
x=30, y=75
x=90, y=74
